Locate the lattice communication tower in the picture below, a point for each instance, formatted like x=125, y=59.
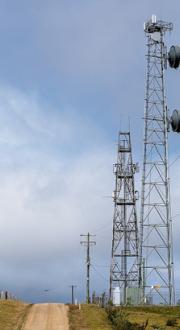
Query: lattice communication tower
x=156, y=259
x=124, y=269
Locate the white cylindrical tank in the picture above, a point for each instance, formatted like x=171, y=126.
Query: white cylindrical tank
x=116, y=296
x=154, y=19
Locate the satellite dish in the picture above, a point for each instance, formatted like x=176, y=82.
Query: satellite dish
x=175, y=121
x=174, y=57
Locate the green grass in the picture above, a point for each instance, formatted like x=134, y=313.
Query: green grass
x=12, y=314
x=157, y=315
x=163, y=310
x=89, y=317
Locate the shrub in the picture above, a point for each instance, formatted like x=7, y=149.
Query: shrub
x=158, y=327
x=171, y=322
x=120, y=322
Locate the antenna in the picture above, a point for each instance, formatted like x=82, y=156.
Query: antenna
x=156, y=259
x=175, y=121
x=174, y=57
x=124, y=257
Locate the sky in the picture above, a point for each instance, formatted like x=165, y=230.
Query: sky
x=72, y=74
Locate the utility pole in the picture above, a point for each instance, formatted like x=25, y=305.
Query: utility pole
x=88, y=243
x=72, y=293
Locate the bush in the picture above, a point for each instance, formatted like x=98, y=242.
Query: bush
x=158, y=327
x=110, y=303
x=119, y=320
x=171, y=322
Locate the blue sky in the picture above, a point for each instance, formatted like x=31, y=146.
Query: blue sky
x=71, y=74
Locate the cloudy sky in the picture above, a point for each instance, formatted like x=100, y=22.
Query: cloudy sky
x=71, y=74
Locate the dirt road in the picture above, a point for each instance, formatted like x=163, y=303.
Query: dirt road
x=47, y=317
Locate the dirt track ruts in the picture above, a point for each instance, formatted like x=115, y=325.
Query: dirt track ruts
x=47, y=317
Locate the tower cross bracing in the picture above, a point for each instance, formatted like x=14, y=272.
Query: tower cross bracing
x=156, y=259
x=124, y=270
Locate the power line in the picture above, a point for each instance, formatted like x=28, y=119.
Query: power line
x=101, y=266
x=105, y=279
x=109, y=223
x=174, y=161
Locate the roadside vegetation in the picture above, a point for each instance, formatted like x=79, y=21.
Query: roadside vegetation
x=92, y=317
x=119, y=320
x=159, y=317
x=12, y=314
x=88, y=317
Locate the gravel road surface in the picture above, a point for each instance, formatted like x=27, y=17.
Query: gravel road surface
x=47, y=317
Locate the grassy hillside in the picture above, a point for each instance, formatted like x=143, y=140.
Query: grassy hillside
x=89, y=317
x=94, y=318
x=12, y=314
x=157, y=316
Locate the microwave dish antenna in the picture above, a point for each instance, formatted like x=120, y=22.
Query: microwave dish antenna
x=175, y=121
x=174, y=57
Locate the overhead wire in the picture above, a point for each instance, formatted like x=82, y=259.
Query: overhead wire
x=105, y=279
x=101, y=266
x=103, y=226
x=174, y=161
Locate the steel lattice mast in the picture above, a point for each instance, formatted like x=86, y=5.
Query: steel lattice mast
x=156, y=259
x=124, y=269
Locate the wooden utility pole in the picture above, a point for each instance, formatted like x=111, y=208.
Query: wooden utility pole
x=72, y=293
x=88, y=243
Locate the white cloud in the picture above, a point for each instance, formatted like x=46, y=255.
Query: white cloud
x=53, y=197
x=56, y=163
x=46, y=203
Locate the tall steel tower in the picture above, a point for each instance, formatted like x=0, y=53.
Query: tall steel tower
x=124, y=269
x=156, y=259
